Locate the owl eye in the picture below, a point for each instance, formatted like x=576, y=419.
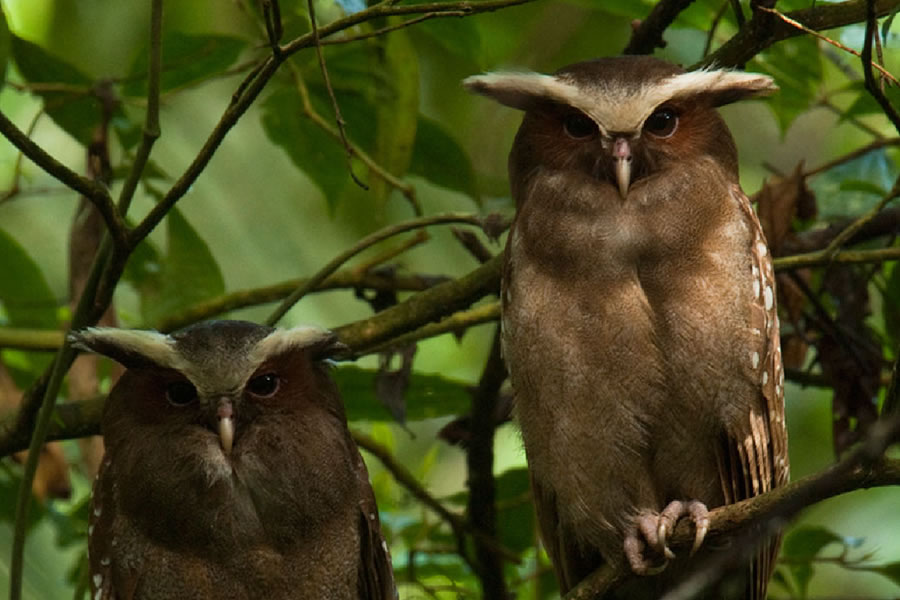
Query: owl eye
x=662, y=122
x=579, y=126
x=263, y=385
x=181, y=393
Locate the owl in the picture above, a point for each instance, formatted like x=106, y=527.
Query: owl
x=229, y=471
x=638, y=315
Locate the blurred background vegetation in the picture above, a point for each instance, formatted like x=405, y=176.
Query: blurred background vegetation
x=277, y=202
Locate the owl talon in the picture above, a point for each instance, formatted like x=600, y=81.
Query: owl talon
x=652, y=530
x=693, y=509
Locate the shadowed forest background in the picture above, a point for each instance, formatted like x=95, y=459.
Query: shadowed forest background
x=252, y=195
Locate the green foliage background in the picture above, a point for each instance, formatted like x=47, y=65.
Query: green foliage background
x=276, y=203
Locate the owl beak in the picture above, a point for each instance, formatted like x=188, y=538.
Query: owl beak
x=226, y=424
x=622, y=156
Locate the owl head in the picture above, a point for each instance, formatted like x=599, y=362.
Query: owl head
x=619, y=120
x=228, y=415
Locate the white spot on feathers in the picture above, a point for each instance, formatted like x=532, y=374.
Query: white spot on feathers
x=768, y=298
x=754, y=359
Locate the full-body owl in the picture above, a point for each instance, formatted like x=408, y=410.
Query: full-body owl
x=639, y=321
x=229, y=471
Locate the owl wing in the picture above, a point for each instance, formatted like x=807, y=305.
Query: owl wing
x=100, y=541
x=375, y=575
x=754, y=458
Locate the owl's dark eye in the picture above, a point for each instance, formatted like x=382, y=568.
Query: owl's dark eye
x=662, y=122
x=181, y=393
x=579, y=126
x=263, y=385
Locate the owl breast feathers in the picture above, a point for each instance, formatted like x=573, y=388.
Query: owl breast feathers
x=639, y=321
x=229, y=471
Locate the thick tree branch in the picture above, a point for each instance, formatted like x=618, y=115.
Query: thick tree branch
x=422, y=308
x=761, y=31
x=648, y=36
x=863, y=468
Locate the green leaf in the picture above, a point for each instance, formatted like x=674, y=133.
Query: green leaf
x=859, y=185
x=865, y=103
x=456, y=36
x=186, y=59
x=441, y=160
x=515, y=511
x=188, y=274
x=427, y=397
x=76, y=109
x=805, y=543
x=24, y=293
x=396, y=109
x=850, y=188
x=310, y=148
x=891, y=303
x=4, y=46
x=796, y=66
x=800, y=547
x=890, y=570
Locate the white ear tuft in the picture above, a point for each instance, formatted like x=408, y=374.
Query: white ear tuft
x=320, y=342
x=130, y=347
x=522, y=90
x=723, y=85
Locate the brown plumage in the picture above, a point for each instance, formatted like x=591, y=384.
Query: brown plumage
x=229, y=471
x=639, y=323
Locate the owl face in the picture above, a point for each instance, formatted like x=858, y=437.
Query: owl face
x=223, y=414
x=619, y=121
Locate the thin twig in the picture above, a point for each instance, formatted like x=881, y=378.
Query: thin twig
x=871, y=85
x=338, y=118
x=408, y=191
x=851, y=229
x=402, y=475
x=850, y=156
x=361, y=245
x=826, y=39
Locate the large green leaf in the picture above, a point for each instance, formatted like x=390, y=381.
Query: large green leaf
x=186, y=59
x=515, y=510
x=4, y=46
x=427, y=397
x=72, y=106
x=796, y=66
x=800, y=547
x=24, y=293
x=188, y=274
x=309, y=147
x=441, y=160
x=396, y=109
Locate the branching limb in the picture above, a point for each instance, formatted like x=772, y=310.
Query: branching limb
x=648, y=36
x=753, y=38
x=94, y=191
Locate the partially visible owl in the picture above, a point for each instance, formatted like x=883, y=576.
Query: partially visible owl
x=229, y=471
x=639, y=321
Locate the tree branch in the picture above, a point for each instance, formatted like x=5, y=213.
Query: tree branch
x=648, y=36
x=368, y=241
x=753, y=38
x=860, y=469
x=95, y=192
x=422, y=308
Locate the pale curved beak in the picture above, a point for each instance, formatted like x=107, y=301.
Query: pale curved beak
x=622, y=156
x=226, y=425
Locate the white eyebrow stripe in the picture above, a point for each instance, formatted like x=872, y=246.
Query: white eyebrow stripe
x=612, y=107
